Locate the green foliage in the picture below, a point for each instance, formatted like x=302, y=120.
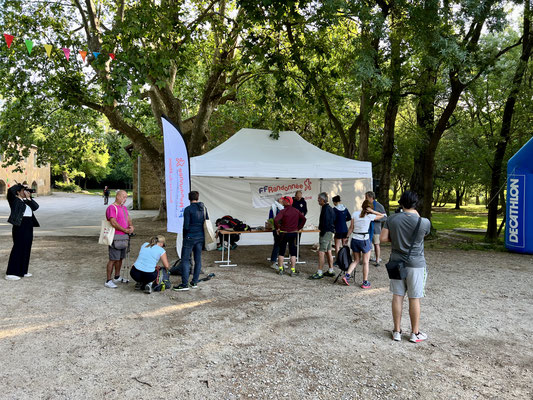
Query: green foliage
x=67, y=187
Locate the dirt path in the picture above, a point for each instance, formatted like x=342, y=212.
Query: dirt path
x=249, y=333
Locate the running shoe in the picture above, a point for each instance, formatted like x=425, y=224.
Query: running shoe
x=346, y=280
x=316, y=275
x=418, y=337
x=110, y=284
x=365, y=285
x=181, y=288
x=193, y=285
x=397, y=336
x=327, y=273
x=294, y=272
x=280, y=271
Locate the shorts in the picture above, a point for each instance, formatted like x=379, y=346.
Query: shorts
x=290, y=239
x=375, y=239
x=325, y=242
x=413, y=285
x=118, y=249
x=341, y=235
x=362, y=246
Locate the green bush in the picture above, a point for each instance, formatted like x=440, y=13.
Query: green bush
x=68, y=187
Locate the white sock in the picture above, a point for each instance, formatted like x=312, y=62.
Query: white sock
x=331, y=270
x=319, y=272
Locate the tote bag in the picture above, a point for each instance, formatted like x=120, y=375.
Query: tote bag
x=209, y=233
x=107, y=232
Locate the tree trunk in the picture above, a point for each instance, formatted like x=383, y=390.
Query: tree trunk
x=505, y=130
x=391, y=112
x=477, y=200
x=66, y=178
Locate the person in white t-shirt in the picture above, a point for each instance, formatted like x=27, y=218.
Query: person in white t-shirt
x=361, y=240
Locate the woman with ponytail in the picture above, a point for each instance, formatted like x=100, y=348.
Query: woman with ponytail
x=144, y=270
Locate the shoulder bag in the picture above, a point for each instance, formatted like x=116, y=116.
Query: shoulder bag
x=397, y=269
x=107, y=232
x=209, y=233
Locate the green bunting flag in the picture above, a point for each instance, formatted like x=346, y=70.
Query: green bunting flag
x=29, y=45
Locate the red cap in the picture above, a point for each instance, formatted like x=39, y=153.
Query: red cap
x=288, y=199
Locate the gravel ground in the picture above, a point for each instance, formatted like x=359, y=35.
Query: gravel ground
x=249, y=333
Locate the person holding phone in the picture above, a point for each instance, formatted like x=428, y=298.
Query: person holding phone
x=21, y=217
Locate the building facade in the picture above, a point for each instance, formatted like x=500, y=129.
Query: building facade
x=38, y=177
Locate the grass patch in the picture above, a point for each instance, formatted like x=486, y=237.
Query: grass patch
x=470, y=217
x=99, y=192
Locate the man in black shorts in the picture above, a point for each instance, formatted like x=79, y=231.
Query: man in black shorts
x=288, y=222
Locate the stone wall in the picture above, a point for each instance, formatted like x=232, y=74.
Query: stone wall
x=35, y=176
x=150, y=188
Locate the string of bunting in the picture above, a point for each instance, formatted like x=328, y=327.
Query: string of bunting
x=48, y=48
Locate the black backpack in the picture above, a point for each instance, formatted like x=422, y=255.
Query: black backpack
x=344, y=259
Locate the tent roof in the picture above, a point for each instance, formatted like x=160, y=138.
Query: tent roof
x=253, y=153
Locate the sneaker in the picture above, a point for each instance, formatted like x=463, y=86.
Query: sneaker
x=193, y=285
x=138, y=286
x=397, y=336
x=234, y=246
x=219, y=248
x=280, y=271
x=12, y=277
x=365, y=285
x=121, y=279
x=27, y=275
x=110, y=284
x=294, y=272
x=346, y=280
x=316, y=275
x=148, y=288
x=418, y=337
x=327, y=273
x=377, y=263
x=372, y=258
x=181, y=288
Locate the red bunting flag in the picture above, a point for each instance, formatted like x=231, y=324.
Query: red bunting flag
x=83, y=54
x=112, y=55
x=67, y=52
x=9, y=39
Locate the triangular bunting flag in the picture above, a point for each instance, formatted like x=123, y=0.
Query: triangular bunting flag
x=9, y=39
x=67, y=52
x=48, y=48
x=29, y=45
x=95, y=54
x=83, y=54
x=112, y=56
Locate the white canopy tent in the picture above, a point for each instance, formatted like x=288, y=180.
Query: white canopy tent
x=243, y=175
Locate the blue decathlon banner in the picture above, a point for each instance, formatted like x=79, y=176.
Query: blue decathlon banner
x=516, y=222
x=177, y=175
x=519, y=216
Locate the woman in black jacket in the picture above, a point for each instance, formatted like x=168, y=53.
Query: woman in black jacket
x=22, y=207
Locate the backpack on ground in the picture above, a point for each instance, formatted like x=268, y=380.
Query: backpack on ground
x=162, y=281
x=344, y=259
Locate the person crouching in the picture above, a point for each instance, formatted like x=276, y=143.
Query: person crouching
x=144, y=269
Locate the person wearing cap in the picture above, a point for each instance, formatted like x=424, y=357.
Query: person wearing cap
x=288, y=222
x=342, y=215
x=21, y=217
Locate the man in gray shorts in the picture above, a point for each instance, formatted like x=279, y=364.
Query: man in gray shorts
x=326, y=226
x=399, y=229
